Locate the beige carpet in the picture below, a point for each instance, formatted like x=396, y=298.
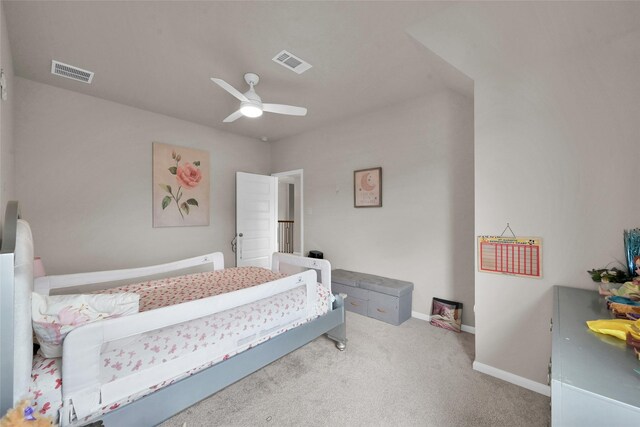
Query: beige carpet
x=408, y=375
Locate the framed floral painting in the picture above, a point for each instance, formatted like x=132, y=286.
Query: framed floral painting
x=180, y=186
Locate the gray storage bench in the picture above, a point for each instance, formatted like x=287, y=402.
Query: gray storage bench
x=379, y=297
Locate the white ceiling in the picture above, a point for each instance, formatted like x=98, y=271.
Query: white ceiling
x=159, y=56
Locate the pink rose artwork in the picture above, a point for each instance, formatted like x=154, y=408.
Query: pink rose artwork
x=188, y=176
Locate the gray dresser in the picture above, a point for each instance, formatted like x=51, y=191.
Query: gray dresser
x=379, y=297
x=593, y=382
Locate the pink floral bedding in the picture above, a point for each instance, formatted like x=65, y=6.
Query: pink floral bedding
x=221, y=335
x=190, y=287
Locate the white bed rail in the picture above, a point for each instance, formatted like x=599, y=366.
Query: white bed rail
x=83, y=388
x=43, y=285
x=308, y=263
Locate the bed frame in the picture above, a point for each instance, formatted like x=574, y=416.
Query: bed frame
x=167, y=401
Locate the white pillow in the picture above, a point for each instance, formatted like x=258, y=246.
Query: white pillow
x=54, y=316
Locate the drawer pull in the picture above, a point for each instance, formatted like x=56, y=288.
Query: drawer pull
x=355, y=304
x=381, y=310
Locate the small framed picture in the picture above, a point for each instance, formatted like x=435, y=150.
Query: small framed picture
x=367, y=188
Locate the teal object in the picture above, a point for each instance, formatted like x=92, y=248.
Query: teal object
x=632, y=248
x=623, y=300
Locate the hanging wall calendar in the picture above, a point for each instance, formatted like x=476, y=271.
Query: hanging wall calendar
x=518, y=256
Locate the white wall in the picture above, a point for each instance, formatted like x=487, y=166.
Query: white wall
x=83, y=173
x=7, y=182
x=557, y=150
x=424, y=231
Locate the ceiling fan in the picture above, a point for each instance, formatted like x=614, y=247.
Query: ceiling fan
x=251, y=104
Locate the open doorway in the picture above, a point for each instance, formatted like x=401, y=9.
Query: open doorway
x=289, y=212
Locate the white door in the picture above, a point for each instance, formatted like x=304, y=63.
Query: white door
x=256, y=221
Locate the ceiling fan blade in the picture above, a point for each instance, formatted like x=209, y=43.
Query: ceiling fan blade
x=285, y=109
x=233, y=117
x=232, y=90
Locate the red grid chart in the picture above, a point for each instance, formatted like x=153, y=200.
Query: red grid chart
x=517, y=256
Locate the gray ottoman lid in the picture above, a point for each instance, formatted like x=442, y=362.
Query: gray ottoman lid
x=384, y=285
x=345, y=277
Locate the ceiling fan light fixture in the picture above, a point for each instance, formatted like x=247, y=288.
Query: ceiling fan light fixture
x=251, y=104
x=250, y=110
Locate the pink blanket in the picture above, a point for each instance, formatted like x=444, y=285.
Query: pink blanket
x=176, y=290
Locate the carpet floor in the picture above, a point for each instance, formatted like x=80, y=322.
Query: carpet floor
x=408, y=375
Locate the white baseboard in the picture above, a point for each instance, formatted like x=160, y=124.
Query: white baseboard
x=512, y=378
x=422, y=316
x=469, y=329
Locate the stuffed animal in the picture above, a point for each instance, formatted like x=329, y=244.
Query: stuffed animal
x=636, y=261
x=24, y=415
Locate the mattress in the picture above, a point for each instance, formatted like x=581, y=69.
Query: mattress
x=218, y=336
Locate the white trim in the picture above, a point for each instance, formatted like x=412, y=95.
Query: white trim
x=469, y=329
x=422, y=316
x=296, y=173
x=512, y=378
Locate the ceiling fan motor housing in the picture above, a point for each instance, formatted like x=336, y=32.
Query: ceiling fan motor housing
x=253, y=97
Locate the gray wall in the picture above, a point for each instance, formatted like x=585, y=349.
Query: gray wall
x=7, y=182
x=83, y=173
x=424, y=231
x=557, y=150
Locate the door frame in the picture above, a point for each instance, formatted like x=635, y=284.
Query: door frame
x=297, y=173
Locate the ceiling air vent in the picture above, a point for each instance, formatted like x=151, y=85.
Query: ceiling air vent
x=292, y=62
x=71, y=72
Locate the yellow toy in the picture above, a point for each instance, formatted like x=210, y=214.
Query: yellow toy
x=23, y=415
x=618, y=328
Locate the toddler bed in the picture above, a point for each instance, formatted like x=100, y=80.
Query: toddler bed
x=193, y=335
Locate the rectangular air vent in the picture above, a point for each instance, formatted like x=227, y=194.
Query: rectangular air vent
x=71, y=72
x=292, y=62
